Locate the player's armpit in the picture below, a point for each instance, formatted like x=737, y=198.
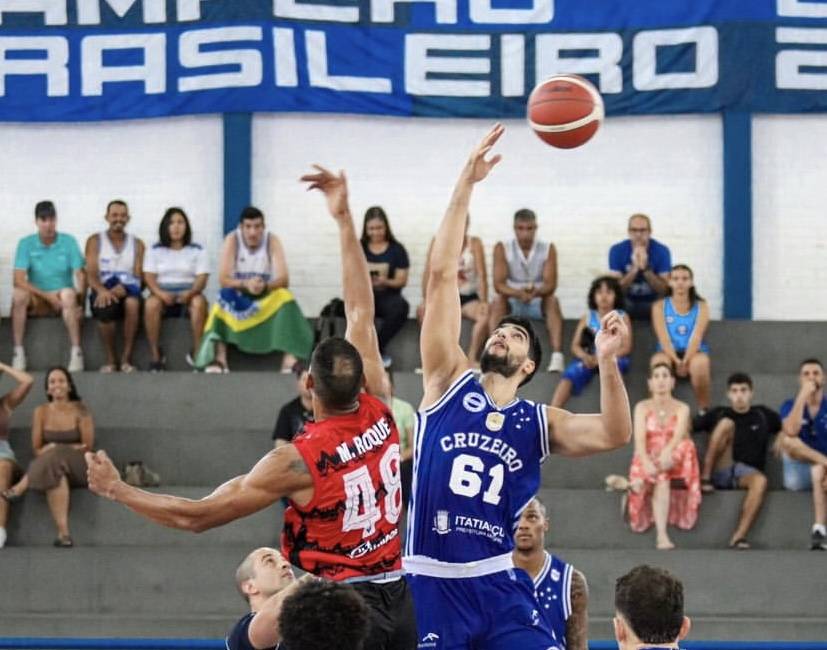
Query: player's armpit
x=577, y=625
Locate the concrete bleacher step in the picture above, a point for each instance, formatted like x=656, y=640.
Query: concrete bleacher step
x=759, y=594
x=583, y=519
x=251, y=400
x=754, y=346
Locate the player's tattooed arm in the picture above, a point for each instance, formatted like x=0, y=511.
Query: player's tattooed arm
x=577, y=625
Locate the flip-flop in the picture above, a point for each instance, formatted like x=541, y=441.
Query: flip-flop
x=107, y=369
x=741, y=544
x=616, y=483
x=127, y=368
x=707, y=487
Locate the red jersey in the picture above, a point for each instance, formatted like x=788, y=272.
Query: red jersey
x=349, y=528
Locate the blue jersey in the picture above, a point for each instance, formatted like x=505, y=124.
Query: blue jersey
x=552, y=587
x=476, y=466
x=681, y=326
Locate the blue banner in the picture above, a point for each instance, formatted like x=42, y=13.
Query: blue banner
x=68, y=60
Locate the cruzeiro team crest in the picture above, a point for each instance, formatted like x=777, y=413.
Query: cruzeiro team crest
x=442, y=525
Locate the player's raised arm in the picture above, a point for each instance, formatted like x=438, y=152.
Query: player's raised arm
x=356, y=286
x=580, y=435
x=280, y=473
x=442, y=357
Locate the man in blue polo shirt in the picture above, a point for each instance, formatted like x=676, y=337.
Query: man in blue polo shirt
x=804, y=421
x=642, y=265
x=48, y=277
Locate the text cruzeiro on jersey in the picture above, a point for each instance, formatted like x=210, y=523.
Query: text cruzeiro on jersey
x=483, y=442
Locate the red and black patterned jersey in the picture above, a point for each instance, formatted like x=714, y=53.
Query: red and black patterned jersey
x=349, y=528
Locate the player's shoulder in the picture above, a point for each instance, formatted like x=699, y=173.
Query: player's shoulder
x=238, y=638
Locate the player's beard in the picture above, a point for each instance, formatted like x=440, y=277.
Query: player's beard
x=504, y=365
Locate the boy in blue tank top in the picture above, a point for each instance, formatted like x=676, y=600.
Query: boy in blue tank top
x=477, y=455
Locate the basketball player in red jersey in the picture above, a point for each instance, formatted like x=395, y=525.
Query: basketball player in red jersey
x=341, y=473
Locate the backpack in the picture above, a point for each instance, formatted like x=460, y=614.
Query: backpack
x=331, y=321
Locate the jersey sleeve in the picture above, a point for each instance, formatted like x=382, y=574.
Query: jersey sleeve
x=150, y=261
x=786, y=408
x=76, y=259
x=202, y=263
x=661, y=260
x=402, y=261
x=21, y=256
x=773, y=421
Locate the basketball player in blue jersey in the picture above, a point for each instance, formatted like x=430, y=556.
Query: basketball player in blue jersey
x=561, y=590
x=477, y=455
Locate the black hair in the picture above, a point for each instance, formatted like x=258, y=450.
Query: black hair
x=739, y=378
x=323, y=614
x=524, y=214
x=612, y=284
x=651, y=601
x=812, y=360
x=336, y=368
x=249, y=213
x=73, y=391
x=163, y=229
x=694, y=296
x=661, y=364
x=376, y=212
x=535, y=352
x=44, y=210
x=116, y=202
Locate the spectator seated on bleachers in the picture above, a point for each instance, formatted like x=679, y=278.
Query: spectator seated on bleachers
x=525, y=278
x=473, y=291
x=255, y=311
x=737, y=453
x=388, y=264
x=642, y=266
x=604, y=296
x=664, y=483
x=680, y=321
x=804, y=446
x=297, y=412
x=113, y=270
x=8, y=461
x=62, y=430
x=176, y=271
x=48, y=280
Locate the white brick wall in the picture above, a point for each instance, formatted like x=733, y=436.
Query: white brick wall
x=669, y=167
x=151, y=164
x=790, y=218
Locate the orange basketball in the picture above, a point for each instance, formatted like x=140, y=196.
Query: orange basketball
x=565, y=111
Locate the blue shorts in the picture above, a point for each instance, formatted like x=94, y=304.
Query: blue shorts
x=531, y=311
x=493, y=612
x=728, y=478
x=579, y=375
x=797, y=475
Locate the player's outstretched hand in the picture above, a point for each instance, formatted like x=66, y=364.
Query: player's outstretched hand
x=613, y=332
x=101, y=473
x=334, y=188
x=478, y=166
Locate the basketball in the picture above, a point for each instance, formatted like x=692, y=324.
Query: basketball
x=565, y=111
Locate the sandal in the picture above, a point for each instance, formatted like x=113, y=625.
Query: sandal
x=127, y=368
x=707, y=487
x=10, y=495
x=741, y=544
x=63, y=541
x=217, y=368
x=107, y=369
x=616, y=483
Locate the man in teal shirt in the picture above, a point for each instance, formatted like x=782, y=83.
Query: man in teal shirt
x=48, y=278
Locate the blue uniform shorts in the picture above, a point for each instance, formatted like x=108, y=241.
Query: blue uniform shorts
x=492, y=612
x=579, y=375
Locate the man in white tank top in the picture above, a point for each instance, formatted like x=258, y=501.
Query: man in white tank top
x=114, y=260
x=525, y=279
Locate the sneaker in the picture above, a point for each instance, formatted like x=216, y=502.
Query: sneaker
x=18, y=360
x=557, y=363
x=3, y=537
x=75, y=360
x=818, y=541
